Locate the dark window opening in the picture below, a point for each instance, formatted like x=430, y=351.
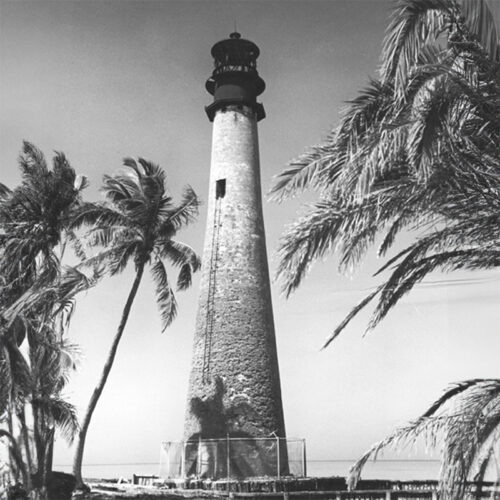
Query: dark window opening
x=220, y=188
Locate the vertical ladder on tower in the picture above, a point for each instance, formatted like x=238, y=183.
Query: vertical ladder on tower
x=212, y=284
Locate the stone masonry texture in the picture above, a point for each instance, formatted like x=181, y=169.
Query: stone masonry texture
x=234, y=385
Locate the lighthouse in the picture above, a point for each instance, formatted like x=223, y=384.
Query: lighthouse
x=234, y=387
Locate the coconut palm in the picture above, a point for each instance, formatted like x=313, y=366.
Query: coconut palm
x=34, y=217
x=137, y=224
x=33, y=226
x=46, y=311
x=14, y=392
x=417, y=150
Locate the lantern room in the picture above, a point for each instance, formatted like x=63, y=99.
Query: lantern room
x=235, y=80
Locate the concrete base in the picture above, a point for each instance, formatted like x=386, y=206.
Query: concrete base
x=329, y=488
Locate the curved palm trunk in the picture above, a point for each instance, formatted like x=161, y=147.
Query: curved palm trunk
x=77, y=463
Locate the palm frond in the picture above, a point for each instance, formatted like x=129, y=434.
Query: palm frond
x=465, y=418
x=32, y=162
x=177, y=253
x=50, y=295
x=354, y=311
x=480, y=20
x=185, y=277
x=309, y=238
x=17, y=365
x=301, y=173
x=348, y=228
x=4, y=190
x=119, y=257
x=96, y=213
x=321, y=166
x=81, y=182
x=76, y=244
x=154, y=172
x=406, y=276
x=414, y=24
x=179, y=216
x=164, y=294
x=104, y=236
x=63, y=414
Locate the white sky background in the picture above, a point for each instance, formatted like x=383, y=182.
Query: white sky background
x=101, y=80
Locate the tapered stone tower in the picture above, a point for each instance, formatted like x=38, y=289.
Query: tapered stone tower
x=234, y=387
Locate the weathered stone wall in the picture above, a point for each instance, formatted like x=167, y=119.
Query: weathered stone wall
x=236, y=389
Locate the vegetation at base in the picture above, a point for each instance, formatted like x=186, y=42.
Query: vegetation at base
x=417, y=150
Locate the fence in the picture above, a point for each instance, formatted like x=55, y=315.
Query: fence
x=233, y=458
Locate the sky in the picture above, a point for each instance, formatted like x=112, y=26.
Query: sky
x=101, y=80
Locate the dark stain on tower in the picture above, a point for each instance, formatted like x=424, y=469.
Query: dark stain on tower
x=234, y=386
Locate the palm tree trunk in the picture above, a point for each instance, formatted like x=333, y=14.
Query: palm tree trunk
x=39, y=446
x=15, y=452
x=14, y=470
x=46, y=467
x=49, y=453
x=25, y=435
x=77, y=463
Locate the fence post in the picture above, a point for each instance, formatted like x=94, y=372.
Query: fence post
x=183, y=460
x=278, y=461
x=215, y=451
x=198, y=464
x=228, y=461
x=304, y=461
x=388, y=495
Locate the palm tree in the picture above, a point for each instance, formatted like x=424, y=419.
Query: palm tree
x=137, y=223
x=38, y=382
x=45, y=310
x=417, y=150
x=467, y=420
x=33, y=225
x=34, y=217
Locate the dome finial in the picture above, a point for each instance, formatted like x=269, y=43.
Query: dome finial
x=235, y=33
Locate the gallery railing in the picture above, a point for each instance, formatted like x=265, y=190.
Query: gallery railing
x=233, y=458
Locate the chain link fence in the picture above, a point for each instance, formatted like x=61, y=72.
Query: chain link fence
x=233, y=458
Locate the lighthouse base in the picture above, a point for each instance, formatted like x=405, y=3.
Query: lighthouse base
x=233, y=458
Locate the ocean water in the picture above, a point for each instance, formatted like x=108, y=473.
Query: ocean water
x=381, y=469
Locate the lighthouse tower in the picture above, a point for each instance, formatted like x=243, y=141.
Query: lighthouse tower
x=234, y=387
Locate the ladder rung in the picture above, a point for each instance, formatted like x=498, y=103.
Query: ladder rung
x=211, y=292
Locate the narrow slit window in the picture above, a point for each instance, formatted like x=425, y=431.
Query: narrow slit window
x=220, y=188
